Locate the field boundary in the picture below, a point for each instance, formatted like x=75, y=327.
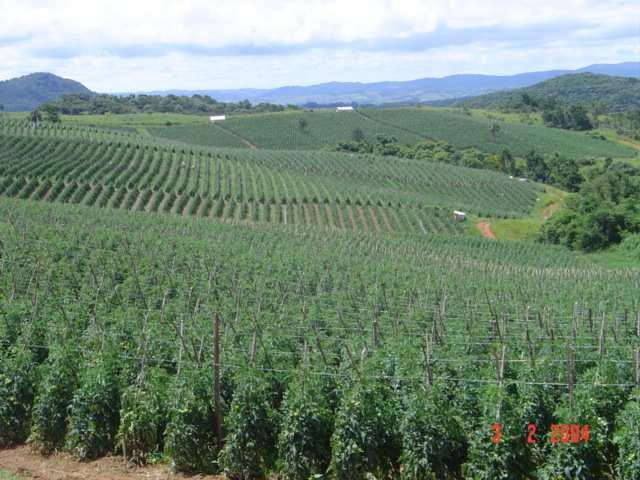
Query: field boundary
x=28, y=464
x=237, y=135
x=389, y=124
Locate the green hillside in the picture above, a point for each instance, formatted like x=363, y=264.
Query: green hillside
x=613, y=94
x=28, y=92
x=464, y=131
x=318, y=129
x=333, y=190
x=323, y=129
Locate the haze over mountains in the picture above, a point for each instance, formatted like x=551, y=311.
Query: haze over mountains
x=27, y=92
x=613, y=93
x=412, y=91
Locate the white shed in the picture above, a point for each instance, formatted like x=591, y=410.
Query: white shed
x=344, y=109
x=217, y=118
x=459, y=216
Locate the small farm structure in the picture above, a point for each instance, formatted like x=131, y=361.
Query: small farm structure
x=344, y=109
x=459, y=216
x=217, y=118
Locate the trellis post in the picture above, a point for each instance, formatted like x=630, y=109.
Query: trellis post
x=216, y=379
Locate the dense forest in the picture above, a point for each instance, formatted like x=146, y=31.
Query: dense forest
x=78, y=104
x=604, y=212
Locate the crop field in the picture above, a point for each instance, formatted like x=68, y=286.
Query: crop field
x=207, y=135
x=464, y=131
x=328, y=189
x=296, y=314
x=280, y=350
x=322, y=128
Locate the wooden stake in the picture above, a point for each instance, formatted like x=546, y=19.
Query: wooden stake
x=636, y=366
x=601, y=338
x=426, y=350
x=500, y=377
x=254, y=345
x=590, y=320
x=570, y=372
x=216, y=380
x=374, y=333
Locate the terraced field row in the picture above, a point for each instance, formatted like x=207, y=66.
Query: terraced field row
x=463, y=131
x=315, y=130
x=265, y=176
x=328, y=215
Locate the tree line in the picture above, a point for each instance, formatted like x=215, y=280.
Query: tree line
x=79, y=104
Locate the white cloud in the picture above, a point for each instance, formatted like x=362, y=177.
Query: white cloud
x=134, y=45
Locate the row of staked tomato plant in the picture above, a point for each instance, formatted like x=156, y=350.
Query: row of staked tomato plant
x=350, y=356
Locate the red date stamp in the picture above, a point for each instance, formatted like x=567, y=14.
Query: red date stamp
x=559, y=433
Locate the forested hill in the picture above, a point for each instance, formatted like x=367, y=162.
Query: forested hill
x=614, y=94
x=28, y=92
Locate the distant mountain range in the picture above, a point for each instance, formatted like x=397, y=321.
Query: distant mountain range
x=413, y=91
x=26, y=93
x=614, y=94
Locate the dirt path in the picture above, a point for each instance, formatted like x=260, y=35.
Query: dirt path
x=485, y=229
x=237, y=135
x=549, y=210
x=393, y=125
x=27, y=464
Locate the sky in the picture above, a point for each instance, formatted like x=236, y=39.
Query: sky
x=143, y=45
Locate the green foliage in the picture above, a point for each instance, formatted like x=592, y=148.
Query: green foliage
x=433, y=441
x=508, y=458
x=93, y=413
x=18, y=379
x=54, y=395
x=611, y=93
x=190, y=442
x=251, y=429
x=304, y=441
x=366, y=439
x=127, y=283
x=627, y=439
x=573, y=117
x=602, y=215
x=564, y=172
x=143, y=417
x=77, y=104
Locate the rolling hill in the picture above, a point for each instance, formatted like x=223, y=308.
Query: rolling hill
x=326, y=128
x=413, y=91
x=28, y=92
x=613, y=93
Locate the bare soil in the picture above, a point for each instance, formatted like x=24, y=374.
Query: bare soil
x=485, y=229
x=27, y=464
x=549, y=210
